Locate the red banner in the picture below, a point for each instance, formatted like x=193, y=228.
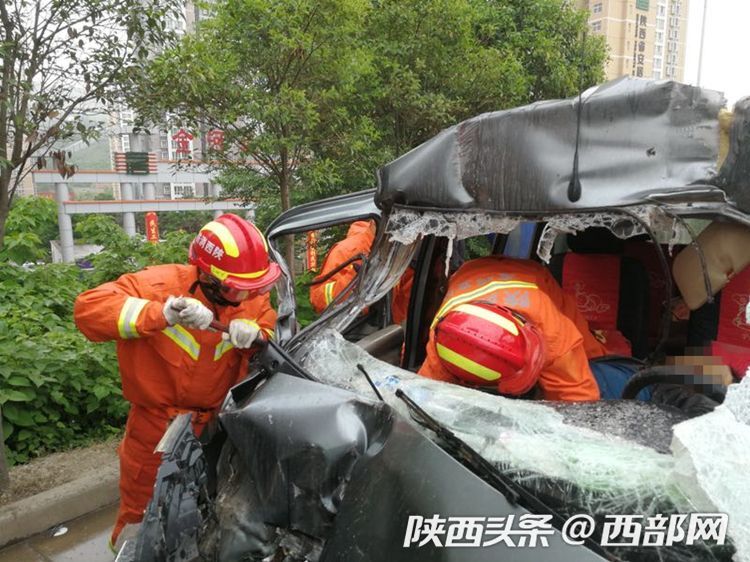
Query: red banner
x=312, y=250
x=152, y=227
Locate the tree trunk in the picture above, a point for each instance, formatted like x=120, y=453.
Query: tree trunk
x=4, y=203
x=4, y=476
x=286, y=203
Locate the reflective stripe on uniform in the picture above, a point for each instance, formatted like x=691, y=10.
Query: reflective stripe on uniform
x=328, y=292
x=129, y=317
x=222, y=348
x=476, y=294
x=270, y=333
x=466, y=364
x=489, y=316
x=184, y=340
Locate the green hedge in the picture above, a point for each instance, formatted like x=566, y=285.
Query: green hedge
x=57, y=390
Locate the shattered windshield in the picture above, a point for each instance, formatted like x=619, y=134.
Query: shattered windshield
x=650, y=468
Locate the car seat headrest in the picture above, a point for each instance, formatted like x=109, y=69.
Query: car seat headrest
x=726, y=250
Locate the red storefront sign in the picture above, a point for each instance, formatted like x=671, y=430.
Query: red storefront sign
x=182, y=141
x=152, y=227
x=215, y=138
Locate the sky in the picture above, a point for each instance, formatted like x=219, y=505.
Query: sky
x=726, y=45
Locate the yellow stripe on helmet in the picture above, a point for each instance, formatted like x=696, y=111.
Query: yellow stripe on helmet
x=467, y=365
x=220, y=274
x=225, y=237
x=493, y=317
x=265, y=242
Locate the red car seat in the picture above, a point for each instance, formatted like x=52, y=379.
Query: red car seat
x=611, y=290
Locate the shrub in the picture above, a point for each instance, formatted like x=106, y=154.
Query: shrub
x=56, y=389
x=32, y=223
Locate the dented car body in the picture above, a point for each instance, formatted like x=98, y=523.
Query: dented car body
x=334, y=450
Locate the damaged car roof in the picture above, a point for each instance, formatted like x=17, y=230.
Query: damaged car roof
x=628, y=142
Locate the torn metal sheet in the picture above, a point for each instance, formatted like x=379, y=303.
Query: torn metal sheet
x=326, y=454
x=638, y=139
x=405, y=226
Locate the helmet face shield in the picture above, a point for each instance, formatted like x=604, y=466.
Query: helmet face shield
x=238, y=295
x=223, y=294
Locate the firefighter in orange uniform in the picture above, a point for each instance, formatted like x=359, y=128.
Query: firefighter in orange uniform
x=358, y=241
x=506, y=323
x=170, y=363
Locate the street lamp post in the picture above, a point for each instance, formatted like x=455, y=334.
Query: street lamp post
x=703, y=34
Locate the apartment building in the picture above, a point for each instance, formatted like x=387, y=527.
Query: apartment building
x=646, y=38
x=166, y=144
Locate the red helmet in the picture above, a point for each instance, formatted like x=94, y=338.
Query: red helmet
x=484, y=344
x=235, y=252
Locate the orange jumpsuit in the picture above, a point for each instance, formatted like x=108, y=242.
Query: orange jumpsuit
x=358, y=240
x=165, y=370
x=529, y=289
x=401, y=296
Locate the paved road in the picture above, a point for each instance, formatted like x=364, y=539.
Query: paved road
x=85, y=541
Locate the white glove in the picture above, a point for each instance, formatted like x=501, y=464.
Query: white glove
x=188, y=312
x=242, y=333
x=172, y=309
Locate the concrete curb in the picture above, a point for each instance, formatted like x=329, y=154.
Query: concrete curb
x=38, y=513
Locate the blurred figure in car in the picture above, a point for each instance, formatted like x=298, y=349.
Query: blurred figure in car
x=354, y=248
x=506, y=323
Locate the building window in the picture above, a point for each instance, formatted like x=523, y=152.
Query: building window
x=126, y=118
x=675, y=9
x=658, y=50
x=125, y=142
x=673, y=22
x=180, y=190
x=596, y=8
x=662, y=11
x=657, y=74
x=596, y=26
x=657, y=62
x=673, y=34
x=659, y=37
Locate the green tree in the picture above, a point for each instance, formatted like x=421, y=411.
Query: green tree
x=314, y=96
x=442, y=61
x=59, y=59
x=272, y=75
x=31, y=224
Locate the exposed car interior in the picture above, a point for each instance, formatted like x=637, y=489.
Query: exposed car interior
x=622, y=288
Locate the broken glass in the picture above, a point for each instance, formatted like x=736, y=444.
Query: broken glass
x=556, y=455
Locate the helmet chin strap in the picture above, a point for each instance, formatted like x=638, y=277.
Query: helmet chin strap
x=211, y=287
